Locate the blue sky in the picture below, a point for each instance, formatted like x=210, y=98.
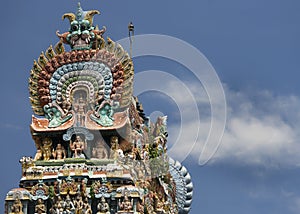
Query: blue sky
x=254, y=48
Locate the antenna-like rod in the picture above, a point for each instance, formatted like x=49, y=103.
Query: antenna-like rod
x=130, y=35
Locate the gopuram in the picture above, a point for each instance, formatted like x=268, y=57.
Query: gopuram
x=96, y=151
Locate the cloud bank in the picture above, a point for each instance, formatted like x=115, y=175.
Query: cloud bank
x=261, y=128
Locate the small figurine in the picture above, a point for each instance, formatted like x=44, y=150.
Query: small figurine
x=59, y=153
x=114, y=147
x=86, y=207
x=82, y=188
x=17, y=207
x=38, y=154
x=68, y=206
x=78, y=204
x=46, y=148
x=126, y=204
x=59, y=205
x=40, y=208
x=77, y=147
x=103, y=207
x=80, y=108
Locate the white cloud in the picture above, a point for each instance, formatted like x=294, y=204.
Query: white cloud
x=261, y=128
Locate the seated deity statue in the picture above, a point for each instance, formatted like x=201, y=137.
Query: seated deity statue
x=126, y=205
x=78, y=204
x=40, y=208
x=103, y=207
x=69, y=207
x=77, y=147
x=59, y=153
x=17, y=207
x=86, y=207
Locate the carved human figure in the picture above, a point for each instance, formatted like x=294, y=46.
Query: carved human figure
x=40, y=208
x=103, y=207
x=126, y=204
x=86, y=207
x=53, y=209
x=46, y=148
x=59, y=153
x=17, y=207
x=69, y=207
x=99, y=151
x=77, y=147
x=38, y=155
x=80, y=108
x=82, y=188
x=114, y=147
x=78, y=204
x=59, y=205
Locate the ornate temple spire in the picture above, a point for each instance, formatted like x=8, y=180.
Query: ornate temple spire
x=95, y=149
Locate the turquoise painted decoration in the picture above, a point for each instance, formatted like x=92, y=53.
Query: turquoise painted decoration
x=55, y=116
x=82, y=34
x=103, y=115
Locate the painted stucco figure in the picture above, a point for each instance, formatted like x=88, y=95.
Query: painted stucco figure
x=82, y=34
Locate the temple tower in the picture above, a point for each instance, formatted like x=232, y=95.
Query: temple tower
x=96, y=151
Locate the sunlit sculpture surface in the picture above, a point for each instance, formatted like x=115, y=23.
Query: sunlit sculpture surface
x=96, y=151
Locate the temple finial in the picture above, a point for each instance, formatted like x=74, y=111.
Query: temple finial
x=79, y=13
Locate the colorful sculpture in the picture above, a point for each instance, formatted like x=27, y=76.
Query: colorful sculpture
x=97, y=152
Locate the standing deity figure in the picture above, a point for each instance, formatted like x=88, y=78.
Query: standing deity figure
x=80, y=108
x=17, y=207
x=114, y=147
x=82, y=188
x=40, y=208
x=103, y=207
x=126, y=205
x=59, y=153
x=47, y=148
x=77, y=147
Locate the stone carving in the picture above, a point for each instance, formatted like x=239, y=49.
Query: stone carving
x=59, y=153
x=55, y=115
x=17, y=207
x=103, y=115
x=103, y=207
x=40, y=208
x=77, y=147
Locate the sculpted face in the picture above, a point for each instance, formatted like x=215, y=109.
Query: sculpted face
x=81, y=35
